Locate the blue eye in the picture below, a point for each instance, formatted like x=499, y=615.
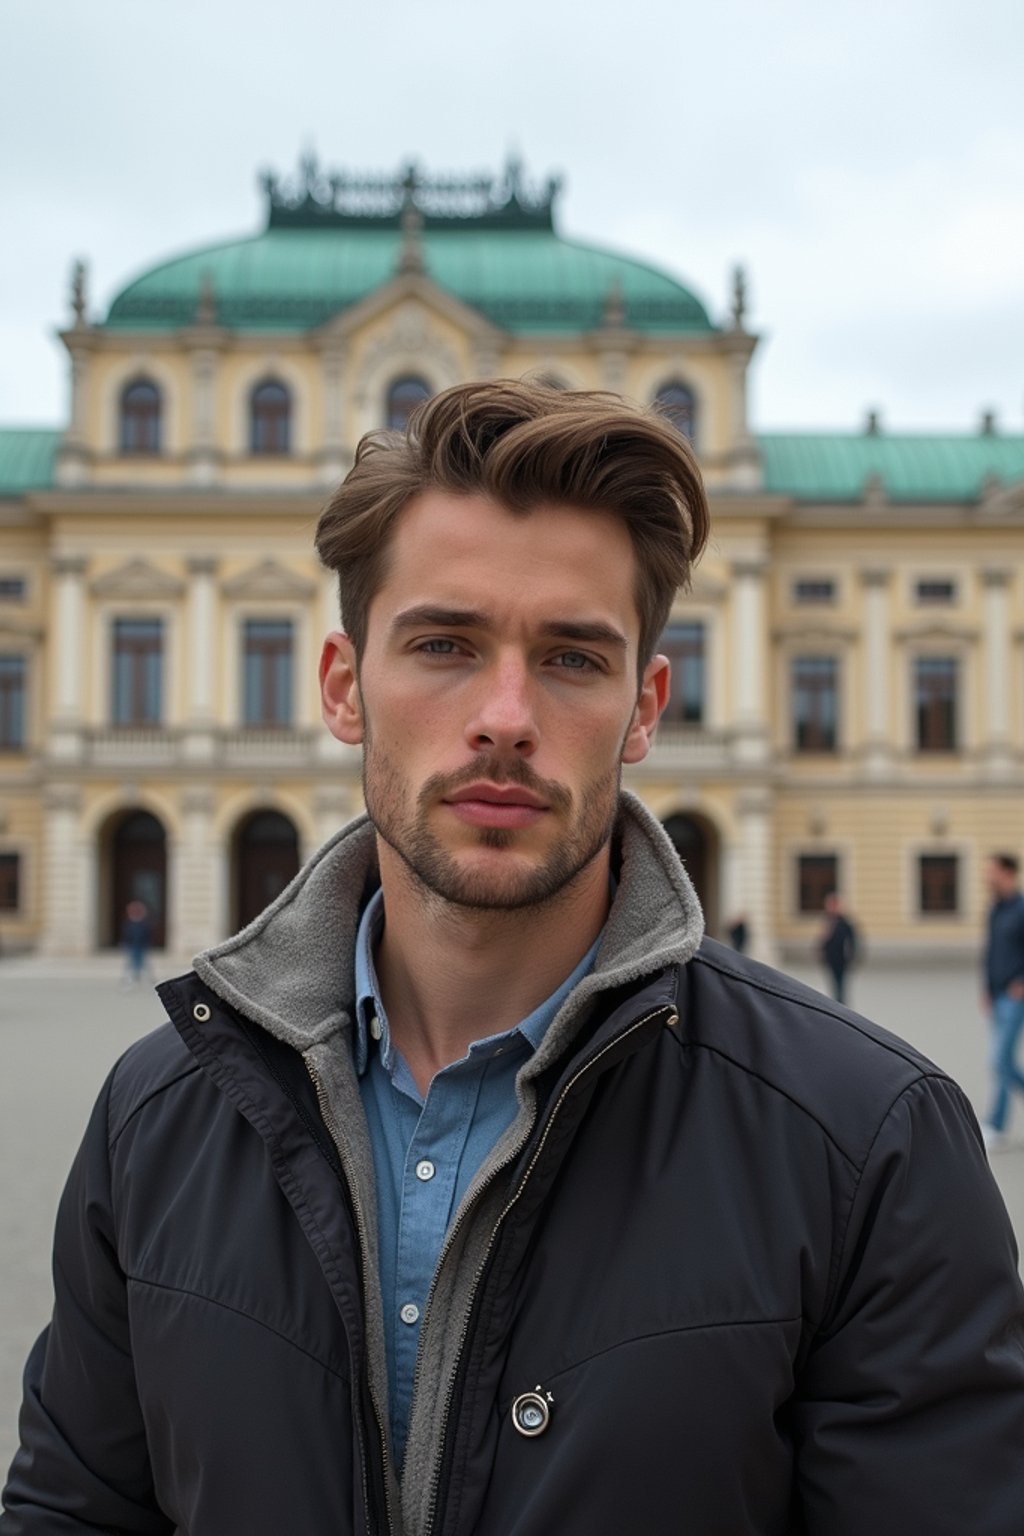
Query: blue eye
x=574, y=661
x=438, y=646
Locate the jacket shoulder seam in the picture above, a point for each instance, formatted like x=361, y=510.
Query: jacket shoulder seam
x=250, y=1317
x=909, y=1055
x=152, y=1093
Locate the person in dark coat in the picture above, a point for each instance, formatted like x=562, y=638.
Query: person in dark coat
x=470, y=1190
x=838, y=947
x=1004, y=990
x=136, y=935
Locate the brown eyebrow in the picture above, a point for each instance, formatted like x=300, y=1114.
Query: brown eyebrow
x=593, y=631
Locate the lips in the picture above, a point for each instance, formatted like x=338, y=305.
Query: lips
x=506, y=806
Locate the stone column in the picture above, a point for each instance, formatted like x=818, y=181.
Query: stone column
x=750, y=651
x=332, y=457
x=196, y=919
x=70, y=886
x=73, y=457
x=754, y=894
x=199, y=742
x=875, y=661
x=202, y=451
x=67, y=660
x=996, y=733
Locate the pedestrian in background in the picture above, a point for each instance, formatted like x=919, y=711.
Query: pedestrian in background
x=1004, y=988
x=136, y=933
x=838, y=948
x=739, y=933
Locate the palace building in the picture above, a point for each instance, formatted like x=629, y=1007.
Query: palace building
x=848, y=699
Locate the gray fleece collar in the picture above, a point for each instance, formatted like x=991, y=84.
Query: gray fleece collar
x=292, y=970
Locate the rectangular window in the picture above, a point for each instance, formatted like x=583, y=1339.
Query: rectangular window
x=938, y=878
x=12, y=703
x=10, y=882
x=684, y=645
x=817, y=877
x=138, y=672
x=267, y=672
x=935, y=592
x=814, y=589
x=815, y=703
x=12, y=589
x=935, y=701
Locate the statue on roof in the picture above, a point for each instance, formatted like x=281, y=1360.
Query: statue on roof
x=739, y=298
x=79, y=298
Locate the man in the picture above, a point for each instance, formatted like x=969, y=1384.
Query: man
x=470, y=1193
x=838, y=944
x=1004, y=988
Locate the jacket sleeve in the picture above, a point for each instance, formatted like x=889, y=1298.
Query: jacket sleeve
x=82, y=1464
x=910, y=1413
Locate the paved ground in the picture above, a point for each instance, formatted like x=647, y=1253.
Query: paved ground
x=62, y=1028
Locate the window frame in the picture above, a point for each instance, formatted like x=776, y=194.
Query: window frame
x=286, y=721
x=277, y=422
x=666, y=407
x=392, y=422
x=795, y=659
x=152, y=446
x=802, y=856
x=18, y=906
x=922, y=659
x=18, y=740
x=135, y=722
x=934, y=856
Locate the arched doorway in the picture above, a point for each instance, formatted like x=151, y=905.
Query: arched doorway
x=266, y=856
x=695, y=839
x=136, y=865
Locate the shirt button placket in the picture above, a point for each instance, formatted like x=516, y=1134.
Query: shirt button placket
x=425, y=1170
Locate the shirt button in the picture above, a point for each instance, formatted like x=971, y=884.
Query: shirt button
x=425, y=1170
x=410, y=1313
x=376, y=1028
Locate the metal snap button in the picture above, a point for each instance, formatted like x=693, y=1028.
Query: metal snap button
x=410, y=1313
x=672, y=1021
x=201, y=1013
x=425, y=1170
x=531, y=1412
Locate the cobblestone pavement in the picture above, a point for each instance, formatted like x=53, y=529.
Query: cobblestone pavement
x=62, y=1027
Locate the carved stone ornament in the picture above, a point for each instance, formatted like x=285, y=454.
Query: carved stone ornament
x=137, y=579
x=269, y=580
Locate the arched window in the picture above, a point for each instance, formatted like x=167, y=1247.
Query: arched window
x=677, y=403
x=140, y=417
x=270, y=418
x=404, y=395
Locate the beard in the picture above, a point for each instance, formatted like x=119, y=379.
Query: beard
x=510, y=886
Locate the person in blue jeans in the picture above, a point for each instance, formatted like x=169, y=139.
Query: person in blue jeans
x=1004, y=986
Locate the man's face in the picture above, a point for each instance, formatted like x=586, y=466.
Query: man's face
x=497, y=697
x=1001, y=882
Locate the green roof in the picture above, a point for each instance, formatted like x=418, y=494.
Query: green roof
x=522, y=279
x=820, y=466
x=26, y=458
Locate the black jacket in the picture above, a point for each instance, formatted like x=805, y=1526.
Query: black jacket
x=751, y=1258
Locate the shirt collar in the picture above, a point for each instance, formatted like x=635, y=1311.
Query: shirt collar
x=369, y=1006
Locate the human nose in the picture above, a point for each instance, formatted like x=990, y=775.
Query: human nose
x=504, y=719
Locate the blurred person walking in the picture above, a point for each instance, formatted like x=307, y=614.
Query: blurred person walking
x=838, y=947
x=1004, y=988
x=136, y=935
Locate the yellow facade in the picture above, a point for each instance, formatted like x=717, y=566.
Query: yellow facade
x=207, y=537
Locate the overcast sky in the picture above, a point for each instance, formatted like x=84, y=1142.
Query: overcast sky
x=864, y=161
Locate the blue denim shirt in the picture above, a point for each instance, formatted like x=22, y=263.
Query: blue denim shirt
x=426, y=1151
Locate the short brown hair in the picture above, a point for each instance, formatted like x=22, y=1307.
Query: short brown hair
x=523, y=444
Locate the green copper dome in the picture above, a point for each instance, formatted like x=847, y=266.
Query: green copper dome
x=500, y=255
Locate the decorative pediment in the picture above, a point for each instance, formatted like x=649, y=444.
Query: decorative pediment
x=406, y=292
x=813, y=634
x=137, y=579
x=937, y=634
x=268, y=579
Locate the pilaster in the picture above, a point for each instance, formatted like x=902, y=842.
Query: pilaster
x=998, y=759
x=754, y=899
x=67, y=661
x=196, y=918
x=199, y=739
x=69, y=875
x=749, y=638
x=876, y=659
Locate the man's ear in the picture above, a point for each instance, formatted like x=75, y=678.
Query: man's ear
x=340, y=700
x=649, y=707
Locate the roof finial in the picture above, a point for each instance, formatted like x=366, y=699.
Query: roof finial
x=987, y=425
x=873, y=424
x=79, y=299
x=613, y=315
x=410, y=256
x=739, y=298
x=206, y=304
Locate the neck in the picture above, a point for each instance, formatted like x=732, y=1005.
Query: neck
x=450, y=975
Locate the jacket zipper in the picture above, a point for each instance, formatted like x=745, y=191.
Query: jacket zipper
x=346, y=1165
x=538, y=1151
